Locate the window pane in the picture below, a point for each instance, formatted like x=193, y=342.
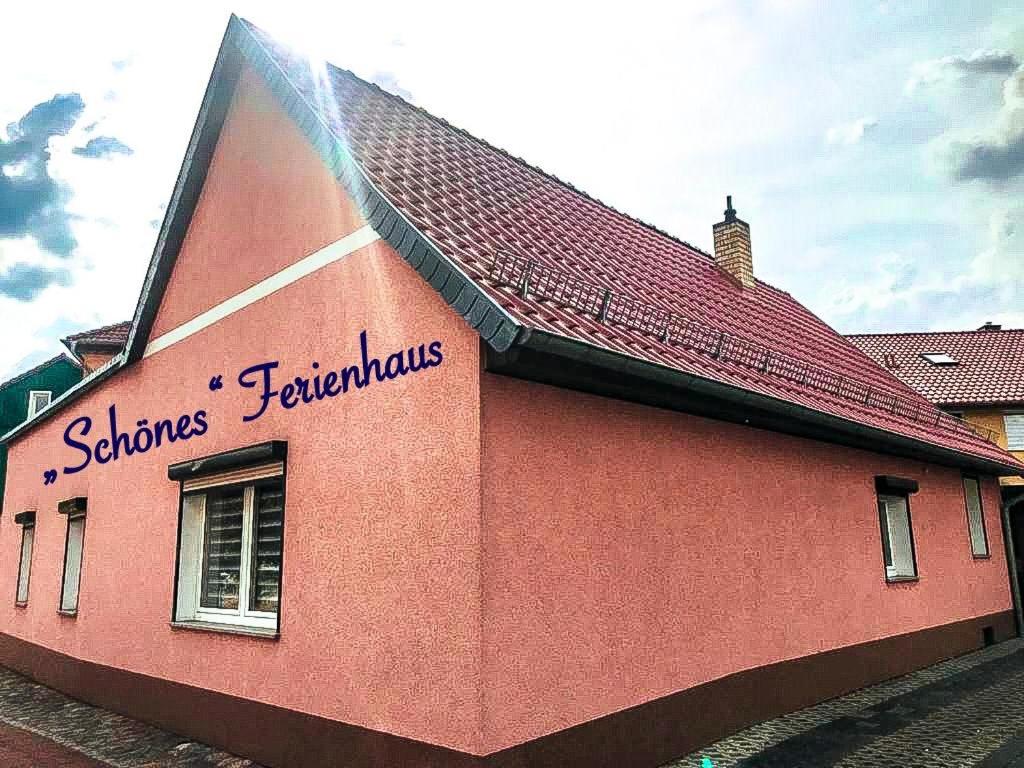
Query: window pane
x=222, y=549
x=883, y=517
x=975, y=520
x=899, y=536
x=1014, y=431
x=266, y=548
x=27, y=537
x=72, y=564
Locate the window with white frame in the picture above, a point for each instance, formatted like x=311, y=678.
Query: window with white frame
x=975, y=517
x=37, y=400
x=897, y=537
x=27, y=521
x=229, y=566
x=73, y=541
x=1014, y=423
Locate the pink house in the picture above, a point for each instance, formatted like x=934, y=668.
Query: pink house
x=418, y=456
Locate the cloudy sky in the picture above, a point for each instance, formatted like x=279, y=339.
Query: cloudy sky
x=877, y=150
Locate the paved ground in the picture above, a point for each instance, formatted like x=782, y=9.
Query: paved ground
x=41, y=728
x=967, y=711
x=22, y=749
x=964, y=712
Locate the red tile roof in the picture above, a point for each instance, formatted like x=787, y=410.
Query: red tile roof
x=478, y=203
x=108, y=335
x=989, y=369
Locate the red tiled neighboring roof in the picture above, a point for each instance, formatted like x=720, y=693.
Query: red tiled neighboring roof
x=989, y=369
x=107, y=336
x=475, y=202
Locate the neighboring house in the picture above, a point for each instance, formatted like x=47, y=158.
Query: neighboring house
x=419, y=456
x=96, y=347
x=28, y=393
x=976, y=375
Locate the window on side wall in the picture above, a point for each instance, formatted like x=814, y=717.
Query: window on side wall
x=897, y=537
x=37, y=400
x=1014, y=423
x=27, y=521
x=975, y=517
x=74, y=539
x=896, y=526
x=231, y=539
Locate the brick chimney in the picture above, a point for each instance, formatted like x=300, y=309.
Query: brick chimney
x=732, y=247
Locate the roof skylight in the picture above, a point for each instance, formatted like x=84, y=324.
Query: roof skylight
x=939, y=358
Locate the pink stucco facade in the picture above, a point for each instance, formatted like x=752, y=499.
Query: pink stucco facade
x=381, y=578
x=470, y=560
x=627, y=543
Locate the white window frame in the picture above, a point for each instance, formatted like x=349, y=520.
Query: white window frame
x=28, y=537
x=72, y=610
x=901, y=544
x=940, y=358
x=32, y=408
x=976, y=528
x=1010, y=444
x=189, y=608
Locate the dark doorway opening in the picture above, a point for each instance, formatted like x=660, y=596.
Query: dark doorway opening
x=1017, y=532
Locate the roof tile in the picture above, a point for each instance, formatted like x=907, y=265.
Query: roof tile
x=989, y=368
x=477, y=202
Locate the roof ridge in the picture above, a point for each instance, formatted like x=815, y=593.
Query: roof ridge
x=73, y=336
x=526, y=164
x=990, y=331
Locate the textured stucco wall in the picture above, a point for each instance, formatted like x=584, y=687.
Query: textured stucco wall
x=380, y=602
x=631, y=552
x=281, y=199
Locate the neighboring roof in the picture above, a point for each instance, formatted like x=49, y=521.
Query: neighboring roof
x=113, y=336
x=989, y=365
x=475, y=222
x=38, y=369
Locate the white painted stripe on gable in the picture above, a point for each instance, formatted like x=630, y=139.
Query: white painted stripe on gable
x=305, y=266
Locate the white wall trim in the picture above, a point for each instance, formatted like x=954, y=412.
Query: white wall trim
x=305, y=266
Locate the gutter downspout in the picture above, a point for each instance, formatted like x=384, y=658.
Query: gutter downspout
x=1011, y=564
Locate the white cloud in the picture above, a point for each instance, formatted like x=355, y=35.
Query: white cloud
x=951, y=69
x=851, y=133
x=1002, y=261
x=999, y=155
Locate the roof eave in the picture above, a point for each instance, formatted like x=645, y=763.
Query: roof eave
x=886, y=441
x=969, y=405
x=187, y=187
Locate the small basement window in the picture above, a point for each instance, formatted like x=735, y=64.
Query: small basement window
x=975, y=517
x=73, y=541
x=231, y=539
x=939, y=358
x=27, y=521
x=37, y=400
